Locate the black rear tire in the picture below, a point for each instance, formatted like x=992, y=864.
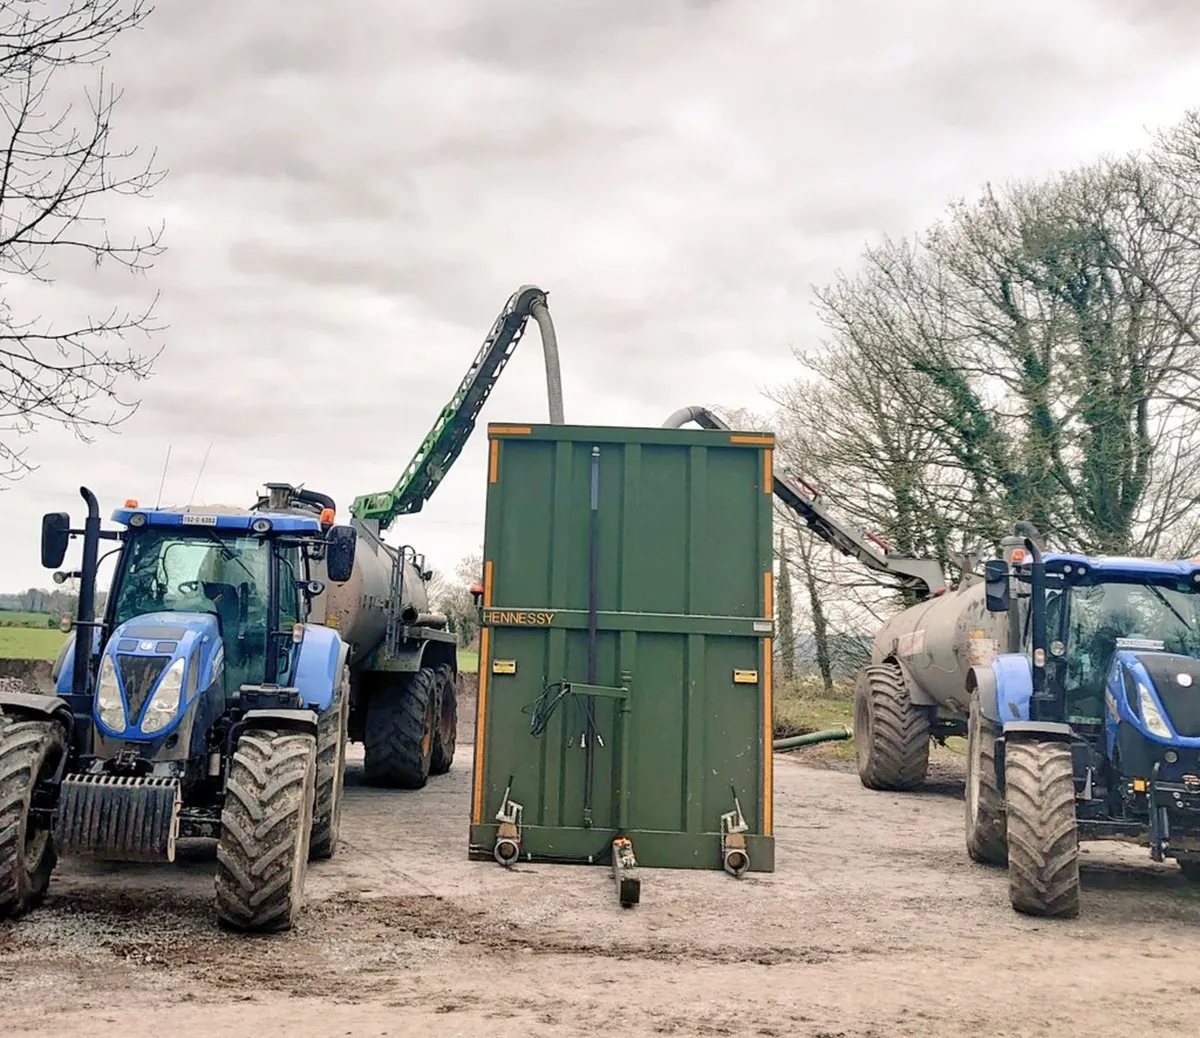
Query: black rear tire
x=331, y=774
x=266, y=827
x=1043, y=844
x=987, y=839
x=446, y=736
x=891, y=734
x=30, y=752
x=398, y=741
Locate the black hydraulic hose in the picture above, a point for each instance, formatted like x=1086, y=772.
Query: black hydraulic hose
x=317, y=498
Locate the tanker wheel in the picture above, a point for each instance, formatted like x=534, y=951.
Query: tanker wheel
x=1043, y=845
x=331, y=773
x=891, y=735
x=30, y=752
x=983, y=805
x=446, y=735
x=398, y=740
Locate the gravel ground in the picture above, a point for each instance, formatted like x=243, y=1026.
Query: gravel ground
x=875, y=924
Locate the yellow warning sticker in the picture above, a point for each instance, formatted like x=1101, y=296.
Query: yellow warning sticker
x=504, y=666
x=745, y=677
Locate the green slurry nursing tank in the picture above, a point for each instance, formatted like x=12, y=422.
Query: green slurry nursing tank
x=624, y=711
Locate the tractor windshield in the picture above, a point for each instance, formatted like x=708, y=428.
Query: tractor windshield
x=204, y=572
x=1101, y=618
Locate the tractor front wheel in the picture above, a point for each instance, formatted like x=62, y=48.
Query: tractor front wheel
x=30, y=752
x=1043, y=844
x=266, y=826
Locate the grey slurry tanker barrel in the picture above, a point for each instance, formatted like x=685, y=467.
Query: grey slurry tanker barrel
x=915, y=687
x=403, y=663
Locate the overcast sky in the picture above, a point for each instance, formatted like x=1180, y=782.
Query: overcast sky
x=351, y=199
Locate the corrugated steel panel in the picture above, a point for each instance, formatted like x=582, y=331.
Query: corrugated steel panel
x=683, y=623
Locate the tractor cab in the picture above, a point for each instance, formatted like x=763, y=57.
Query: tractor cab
x=202, y=604
x=1104, y=616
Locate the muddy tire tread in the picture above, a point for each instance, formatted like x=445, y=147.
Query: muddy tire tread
x=1043, y=845
x=394, y=754
x=268, y=812
x=897, y=754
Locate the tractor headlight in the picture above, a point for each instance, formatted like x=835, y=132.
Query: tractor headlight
x=164, y=704
x=1150, y=715
x=110, y=707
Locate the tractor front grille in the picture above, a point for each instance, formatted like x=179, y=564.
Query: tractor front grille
x=138, y=675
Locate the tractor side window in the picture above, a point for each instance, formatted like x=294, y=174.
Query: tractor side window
x=291, y=601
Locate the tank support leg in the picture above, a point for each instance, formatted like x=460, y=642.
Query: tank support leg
x=624, y=865
x=735, y=858
x=508, y=835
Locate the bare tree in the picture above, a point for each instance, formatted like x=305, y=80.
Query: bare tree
x=452, y=596
x=59, y=167
x=785, y=633
x=1031, y=356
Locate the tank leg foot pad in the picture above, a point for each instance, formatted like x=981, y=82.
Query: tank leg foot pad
x=625, y=872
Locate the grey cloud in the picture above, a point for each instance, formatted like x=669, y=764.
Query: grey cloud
x=353, y=197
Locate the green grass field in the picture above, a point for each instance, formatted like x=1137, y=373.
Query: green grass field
x=30, y=643
x=468, y=661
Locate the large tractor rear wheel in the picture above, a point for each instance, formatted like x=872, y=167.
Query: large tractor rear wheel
x=891, y=734
x=266, y=825
x=1043, y=845
x=30, y=752
x=331, y=773
x=446, y=736
x=987, y=841
x=399, y=735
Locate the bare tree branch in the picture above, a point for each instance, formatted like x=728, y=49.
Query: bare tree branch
x=57, y=165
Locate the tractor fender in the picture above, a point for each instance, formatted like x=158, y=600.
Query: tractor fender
x=319, y=666
x=1037, y=731
x=34, y=707
x=982, y=679
x=1012, y=675
x=287, y=720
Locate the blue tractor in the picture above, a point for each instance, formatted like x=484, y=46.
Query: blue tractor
x=201, y=704
x=1088, y=728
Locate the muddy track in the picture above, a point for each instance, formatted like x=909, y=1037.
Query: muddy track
x=875, y=924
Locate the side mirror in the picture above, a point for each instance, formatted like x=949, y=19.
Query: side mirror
x=996, y=588
x=341, y=542
x=56, y=533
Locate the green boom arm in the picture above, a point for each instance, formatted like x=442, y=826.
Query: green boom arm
x=445, y=441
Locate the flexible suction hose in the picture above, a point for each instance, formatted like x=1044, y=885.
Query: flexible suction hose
x=702, y=416
x=532, y=300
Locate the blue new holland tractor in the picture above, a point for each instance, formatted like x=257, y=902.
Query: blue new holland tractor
x=201, y=704
x=1088, y=727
